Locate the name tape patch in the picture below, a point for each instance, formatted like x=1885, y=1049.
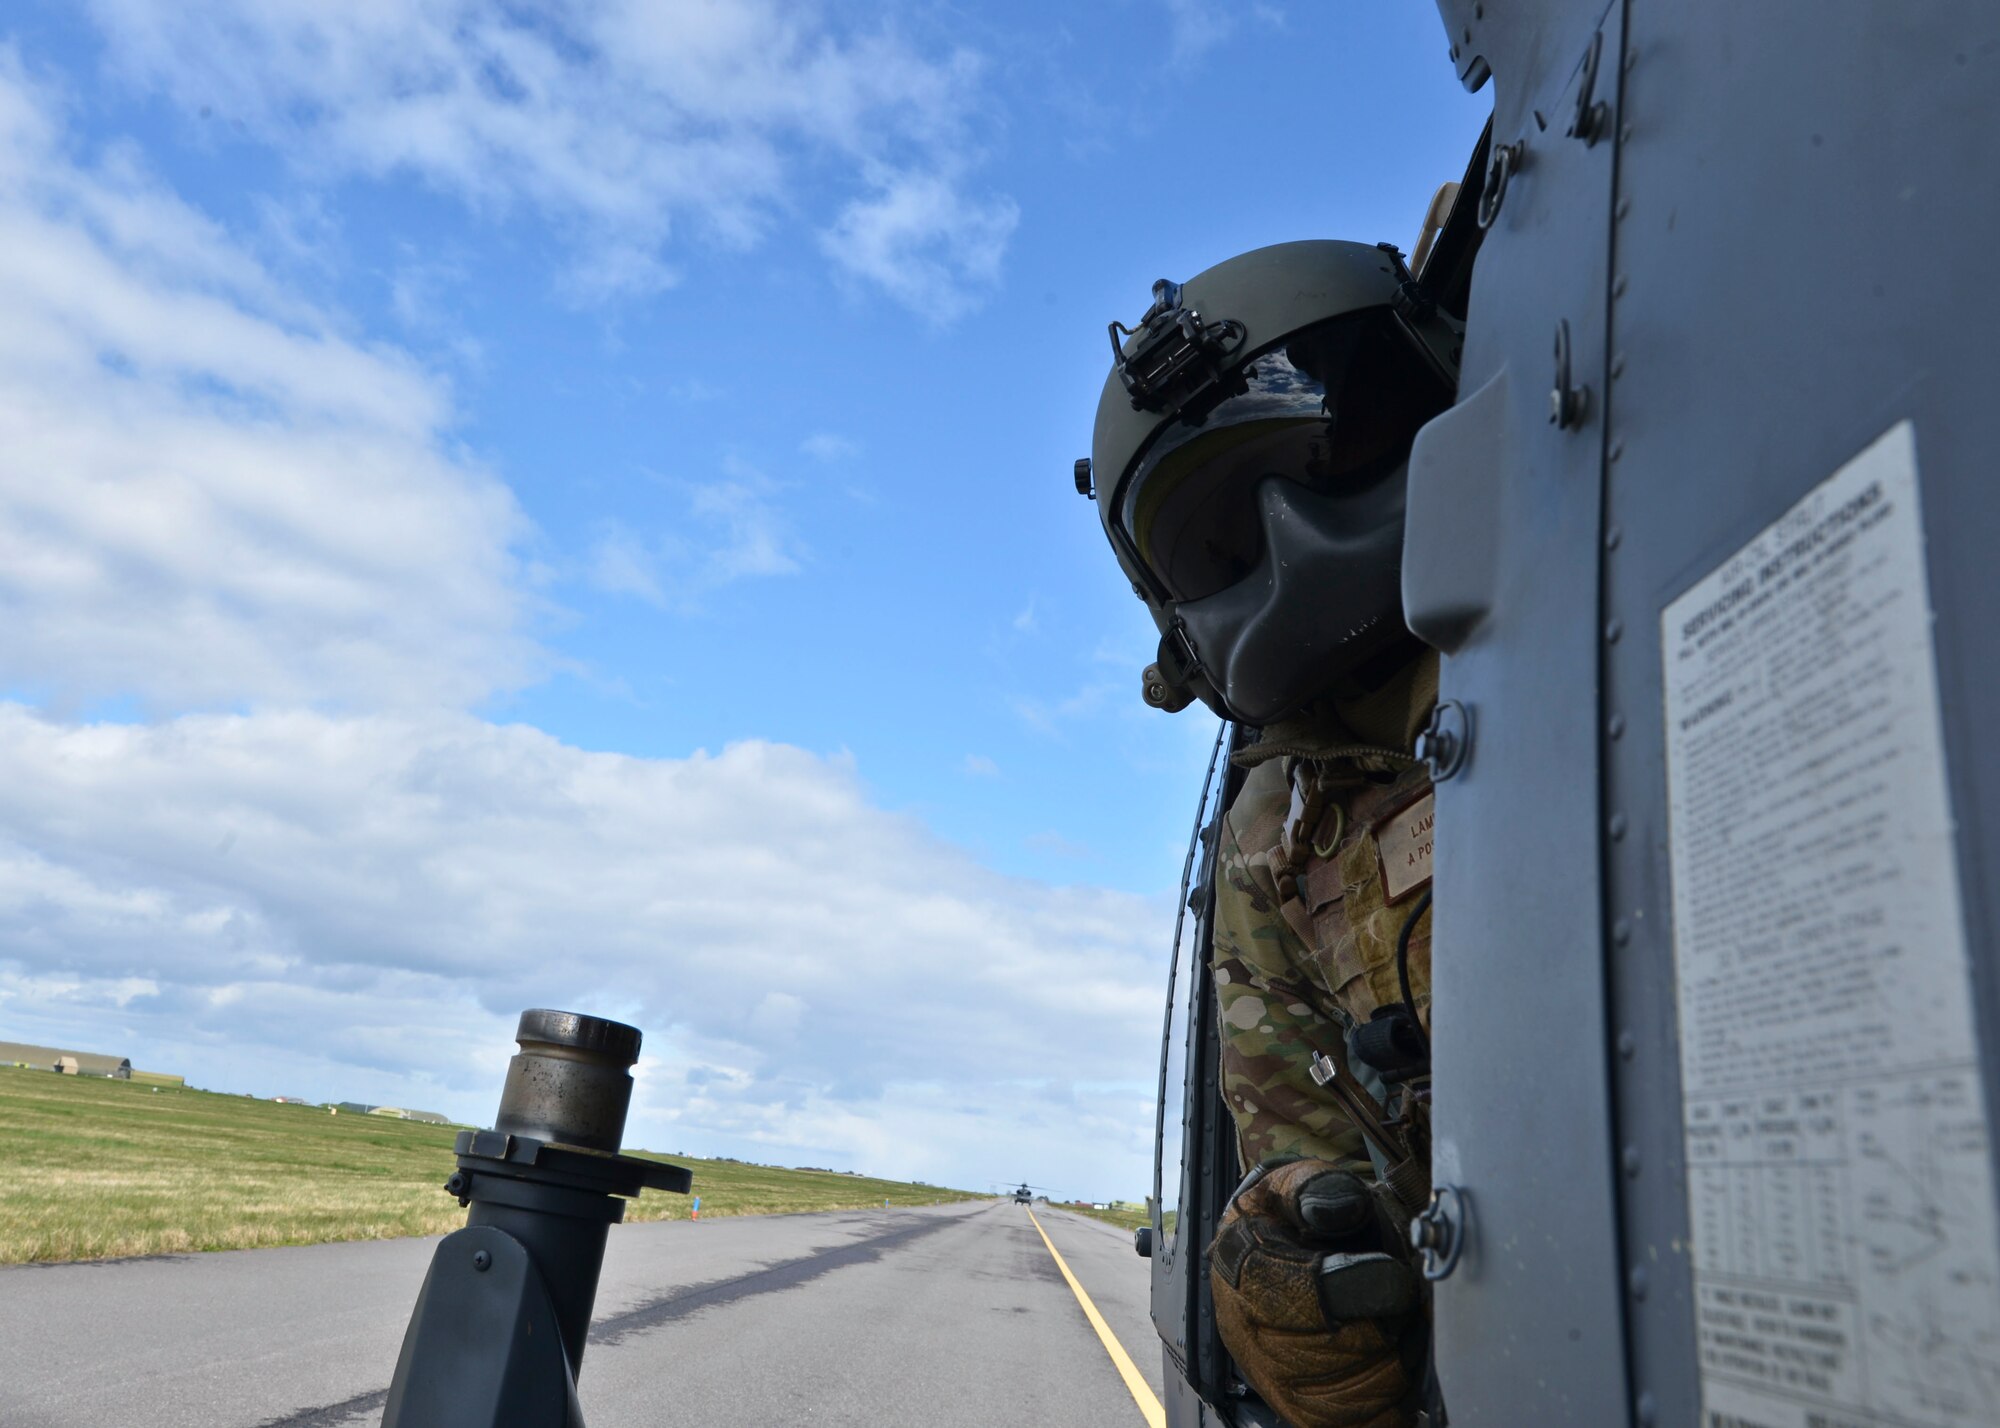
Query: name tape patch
x=1405, y=839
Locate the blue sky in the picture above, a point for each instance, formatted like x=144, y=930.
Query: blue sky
x=569, y=504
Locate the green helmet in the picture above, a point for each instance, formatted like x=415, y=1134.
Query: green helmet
x=1250, y=464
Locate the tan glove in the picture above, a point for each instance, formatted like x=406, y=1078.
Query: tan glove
x=1314, y=1310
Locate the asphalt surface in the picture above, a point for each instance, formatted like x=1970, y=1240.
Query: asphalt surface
x=955, y=1315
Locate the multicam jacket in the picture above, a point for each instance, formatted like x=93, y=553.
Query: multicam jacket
x=1324, y=856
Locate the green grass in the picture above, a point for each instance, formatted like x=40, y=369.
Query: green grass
x=98, y=1169
x=1127, y=1217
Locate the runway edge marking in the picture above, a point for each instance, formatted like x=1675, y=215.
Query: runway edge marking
x=1142, y=1392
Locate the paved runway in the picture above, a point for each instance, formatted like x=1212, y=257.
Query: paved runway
x=949, y=1316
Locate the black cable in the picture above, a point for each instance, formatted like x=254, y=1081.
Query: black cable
x=1403, y=966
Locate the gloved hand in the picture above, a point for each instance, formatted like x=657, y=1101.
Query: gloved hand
x=1315, y=1309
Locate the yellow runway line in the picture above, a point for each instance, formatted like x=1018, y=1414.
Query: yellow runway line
x=1142, y=1392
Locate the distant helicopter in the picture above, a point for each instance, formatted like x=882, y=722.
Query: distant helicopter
x=1024, y=1194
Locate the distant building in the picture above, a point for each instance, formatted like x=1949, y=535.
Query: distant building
x=391, y=1113
x=68, y=1063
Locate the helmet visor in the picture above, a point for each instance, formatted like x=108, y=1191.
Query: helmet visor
x=1333, y=407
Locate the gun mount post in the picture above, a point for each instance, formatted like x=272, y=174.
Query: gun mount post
x=499, y=1328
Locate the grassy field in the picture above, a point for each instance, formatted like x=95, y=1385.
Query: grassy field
x=96, y=1169
x=1126, y=1217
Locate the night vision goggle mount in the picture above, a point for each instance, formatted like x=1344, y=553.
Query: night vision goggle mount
x=1178, y=364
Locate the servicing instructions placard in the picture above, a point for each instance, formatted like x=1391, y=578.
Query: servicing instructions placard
x=1846, y=1263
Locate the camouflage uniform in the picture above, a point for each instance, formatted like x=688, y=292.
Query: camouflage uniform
x=1307, y=914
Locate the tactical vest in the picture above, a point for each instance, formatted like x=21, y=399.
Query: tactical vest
x=1352, y=859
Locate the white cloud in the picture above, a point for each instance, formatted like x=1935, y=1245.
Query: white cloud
x=777, y=1015
x=734, y=531
x=980, y=766
x=1057, y=846
x=215, y=495
x=313, y=890
x=1197, y=26
x=829, y=447
x=623, y=121
x=754, y=540
x=694, y=391
x=620, y=564
x=1057, y=718
x=210, y=493
x=921, y=240
x=941, y=1132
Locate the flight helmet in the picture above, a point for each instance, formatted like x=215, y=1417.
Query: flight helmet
x=1250, y=465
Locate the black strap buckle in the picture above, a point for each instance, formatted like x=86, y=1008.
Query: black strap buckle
x=1178, y=659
